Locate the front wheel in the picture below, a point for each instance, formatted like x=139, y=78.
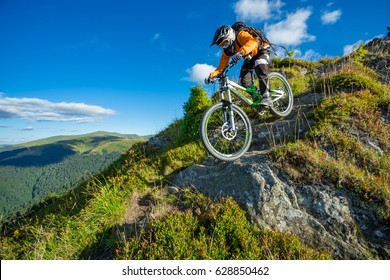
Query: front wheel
x=281, y=94
x=217, y=135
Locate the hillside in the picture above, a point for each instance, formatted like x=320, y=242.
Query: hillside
x=32, y=171
x=55, y=139
x=313, y=186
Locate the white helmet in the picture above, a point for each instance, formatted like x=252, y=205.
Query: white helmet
x=224, y=37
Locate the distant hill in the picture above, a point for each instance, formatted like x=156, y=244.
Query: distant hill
x=54, y=139
x=32, y=171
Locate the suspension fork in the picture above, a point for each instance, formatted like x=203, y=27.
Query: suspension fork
x=227, y=104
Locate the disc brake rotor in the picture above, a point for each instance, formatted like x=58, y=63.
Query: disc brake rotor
x=227, y=133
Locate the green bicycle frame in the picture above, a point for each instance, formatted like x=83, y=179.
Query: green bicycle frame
x=229, y=86
x=252, y=90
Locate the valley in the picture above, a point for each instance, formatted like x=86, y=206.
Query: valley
x=33, y=171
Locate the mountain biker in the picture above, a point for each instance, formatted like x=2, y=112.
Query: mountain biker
x=239, y=45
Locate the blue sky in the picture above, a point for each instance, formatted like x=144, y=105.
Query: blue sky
x=78, y=66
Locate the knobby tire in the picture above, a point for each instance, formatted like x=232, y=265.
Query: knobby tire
x=282, y=107
x=212, y=133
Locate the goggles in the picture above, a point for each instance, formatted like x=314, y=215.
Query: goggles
x=224, y=44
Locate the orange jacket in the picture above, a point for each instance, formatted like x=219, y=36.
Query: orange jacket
x=249, y=45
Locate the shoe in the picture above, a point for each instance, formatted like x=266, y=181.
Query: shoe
x=266, y=101
x=255, y=98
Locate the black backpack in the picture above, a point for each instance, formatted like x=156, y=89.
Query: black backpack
x=254, y=31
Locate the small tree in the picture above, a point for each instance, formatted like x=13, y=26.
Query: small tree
x=290, y=53
x=197, y=103
x=359, y=54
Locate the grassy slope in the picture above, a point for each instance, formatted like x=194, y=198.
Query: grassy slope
x=55, y=139
x=97, y=143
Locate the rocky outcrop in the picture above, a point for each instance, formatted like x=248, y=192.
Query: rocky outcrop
x=158, y=143
x=322, y=216
x=378, y=57
x=379, y=45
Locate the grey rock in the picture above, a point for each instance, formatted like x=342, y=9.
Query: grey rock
x=158, y=143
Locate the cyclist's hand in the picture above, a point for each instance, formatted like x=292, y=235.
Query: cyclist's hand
x=208, y=80
x=236, y=57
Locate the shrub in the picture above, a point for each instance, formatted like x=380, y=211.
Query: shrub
x=197, y=103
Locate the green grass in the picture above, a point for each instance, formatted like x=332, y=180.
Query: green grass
x=63, y=236
x=217, y=231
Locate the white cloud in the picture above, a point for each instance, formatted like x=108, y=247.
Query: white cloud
x=292, y=31
x=308, y=55
x=256, y=10
x=350, y=48
x=35, y=109
x=199, y=72
x=331, y=17
x=27, y=128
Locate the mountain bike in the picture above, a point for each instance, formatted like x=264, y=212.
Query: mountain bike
x=225, y=129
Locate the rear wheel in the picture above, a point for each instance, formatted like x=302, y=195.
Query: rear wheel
x=281, y=95
x=217, y=136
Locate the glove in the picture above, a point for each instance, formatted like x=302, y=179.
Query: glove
x=236, y=57
x=207, y=80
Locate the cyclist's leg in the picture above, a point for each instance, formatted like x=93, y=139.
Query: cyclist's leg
x=246, y=74
x=246, y=77
x=262, y=72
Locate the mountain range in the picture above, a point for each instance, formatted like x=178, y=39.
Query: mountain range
x=34, y=170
